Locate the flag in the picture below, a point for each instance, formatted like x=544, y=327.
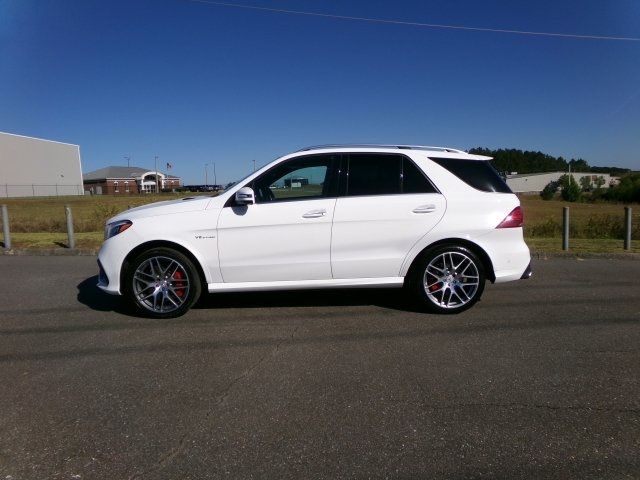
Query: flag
x=169, y=166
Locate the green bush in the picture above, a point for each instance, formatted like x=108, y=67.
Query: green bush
x=549, y=191
x=548, y=228
x=627, y=191
x=569, y=189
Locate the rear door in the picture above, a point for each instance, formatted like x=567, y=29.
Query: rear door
x=386, y=205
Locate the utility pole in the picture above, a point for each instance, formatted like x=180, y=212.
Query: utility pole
x=215, y=178
x=156, y=166
x=206, y=176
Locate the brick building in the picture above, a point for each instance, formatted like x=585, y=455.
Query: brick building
x=127, y=181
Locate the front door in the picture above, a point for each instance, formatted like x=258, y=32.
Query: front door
x=286, y=234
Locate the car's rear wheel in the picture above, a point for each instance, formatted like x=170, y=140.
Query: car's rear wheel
x=448, y=279
x=162, y=283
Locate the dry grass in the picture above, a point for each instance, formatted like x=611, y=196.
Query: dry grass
x=40, y=222
x=46, y=214
x=543, y=218
x=46, y=240
x=580, y=245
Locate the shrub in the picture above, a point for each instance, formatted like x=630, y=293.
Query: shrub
x=547, y=228
x=569, y=189
x=628, y=190
x=549, y=191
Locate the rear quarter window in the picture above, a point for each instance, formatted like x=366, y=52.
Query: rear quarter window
x=478, y=174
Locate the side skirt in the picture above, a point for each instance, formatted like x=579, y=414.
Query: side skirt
x=391, y=282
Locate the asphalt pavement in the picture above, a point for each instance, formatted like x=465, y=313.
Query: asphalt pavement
x=541, y=379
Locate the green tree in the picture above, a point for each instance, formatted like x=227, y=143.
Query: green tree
x=585, y=183
x=599, y=182
x=549, y=191
x=569, y=188
x=628, y=190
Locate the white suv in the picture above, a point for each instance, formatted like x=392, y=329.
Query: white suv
x=438, y=221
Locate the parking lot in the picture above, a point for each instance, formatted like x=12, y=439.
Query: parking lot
x=540, y=380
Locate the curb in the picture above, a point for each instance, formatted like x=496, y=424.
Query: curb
x=586, y=255
x=46, y=252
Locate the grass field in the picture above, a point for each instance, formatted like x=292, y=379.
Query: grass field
x=40, y=222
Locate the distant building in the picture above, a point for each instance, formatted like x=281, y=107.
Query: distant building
x=127, y=180
x=31, y=167
x=535, y=182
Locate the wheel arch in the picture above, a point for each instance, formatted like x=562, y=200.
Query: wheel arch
x=167, y=244
x=474, y=247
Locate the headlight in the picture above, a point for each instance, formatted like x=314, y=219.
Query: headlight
x=113, y=229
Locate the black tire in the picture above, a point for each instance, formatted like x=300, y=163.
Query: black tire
x=174, y=289
x=453, y=290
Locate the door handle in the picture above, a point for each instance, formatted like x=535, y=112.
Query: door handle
x=315, y=213
x=425, y=209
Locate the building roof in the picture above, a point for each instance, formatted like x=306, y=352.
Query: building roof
x=119, y=172
x=534, y=174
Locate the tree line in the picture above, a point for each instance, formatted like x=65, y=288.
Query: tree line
x=507, y=160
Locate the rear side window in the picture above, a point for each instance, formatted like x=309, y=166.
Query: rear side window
x=479, y=174
x=385, y=174
x=413, y=180
x=371, y=174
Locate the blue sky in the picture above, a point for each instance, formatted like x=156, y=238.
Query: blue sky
x=196, y=83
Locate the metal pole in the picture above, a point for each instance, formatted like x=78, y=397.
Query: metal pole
x=206, y=176
x=5, y=228
x=155, y=159
x=565, y=228
x=627, y=228
x=70, y=235
x=215, y=178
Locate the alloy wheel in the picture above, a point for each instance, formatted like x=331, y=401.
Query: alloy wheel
x=451, y=280
x=161, y=284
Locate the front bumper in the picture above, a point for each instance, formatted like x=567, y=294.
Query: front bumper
x=527, y=273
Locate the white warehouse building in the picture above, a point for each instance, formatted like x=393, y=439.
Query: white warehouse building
x=535, y=182
x=31, y=167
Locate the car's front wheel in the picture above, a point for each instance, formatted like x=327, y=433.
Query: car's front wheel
x=162, y=283
x=449, y=279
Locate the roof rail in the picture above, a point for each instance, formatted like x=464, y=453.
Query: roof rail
x=375, y=145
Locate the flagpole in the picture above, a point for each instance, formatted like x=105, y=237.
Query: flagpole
x=156, y=165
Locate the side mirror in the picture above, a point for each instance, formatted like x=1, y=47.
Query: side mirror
x=245, y=196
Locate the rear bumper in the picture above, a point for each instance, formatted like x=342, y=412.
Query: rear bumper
x=509, y=254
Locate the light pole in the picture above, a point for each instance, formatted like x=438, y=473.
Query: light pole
x=156, y=166
x=206, y=176
x=215, y=178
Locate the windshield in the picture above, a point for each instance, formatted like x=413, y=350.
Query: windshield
x=231, y=184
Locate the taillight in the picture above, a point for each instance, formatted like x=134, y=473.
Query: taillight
x=513, y=220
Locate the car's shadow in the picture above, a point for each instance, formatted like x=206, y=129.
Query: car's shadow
x=394, y=298
x=90, y=295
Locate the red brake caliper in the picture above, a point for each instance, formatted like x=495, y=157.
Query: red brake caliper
x=178, y=284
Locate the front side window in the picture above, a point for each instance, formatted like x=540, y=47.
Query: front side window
x=300, y=178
